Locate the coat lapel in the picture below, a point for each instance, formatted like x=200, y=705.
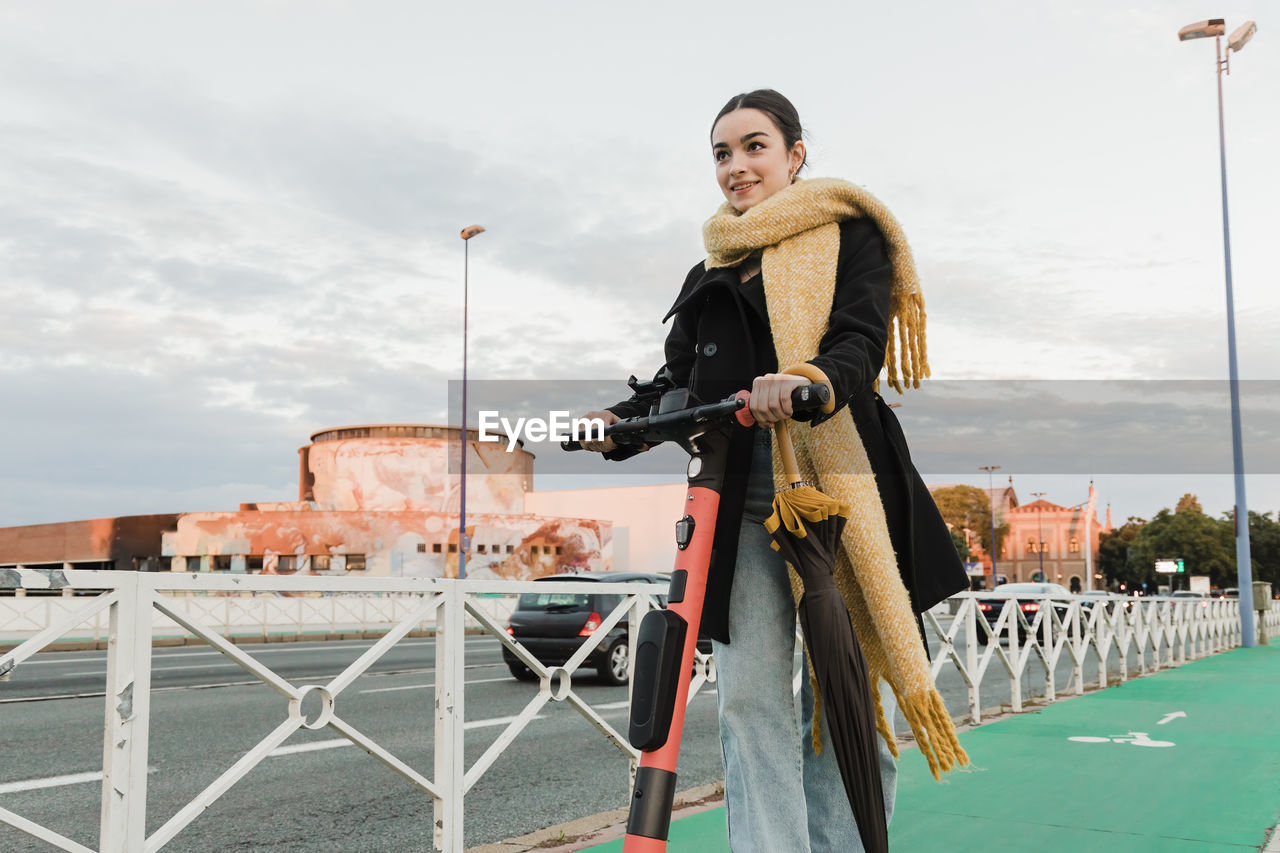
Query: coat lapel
x=752, y=292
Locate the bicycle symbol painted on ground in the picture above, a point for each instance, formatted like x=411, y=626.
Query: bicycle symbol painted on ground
x=1135, y=738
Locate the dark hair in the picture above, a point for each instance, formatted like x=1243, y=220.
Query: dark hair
x=775, y=105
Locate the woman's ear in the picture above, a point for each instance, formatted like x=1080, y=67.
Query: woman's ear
x=797, y=156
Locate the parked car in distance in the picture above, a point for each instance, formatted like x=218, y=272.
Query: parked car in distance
x=1185, y=594
x=552, y=625
x=991, y=606
x=1094, y=596
x=1109, y=600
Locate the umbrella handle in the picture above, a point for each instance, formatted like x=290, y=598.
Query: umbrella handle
x=788, y=453
x=785, y=448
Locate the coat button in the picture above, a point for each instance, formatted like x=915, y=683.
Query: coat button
x=709, y=349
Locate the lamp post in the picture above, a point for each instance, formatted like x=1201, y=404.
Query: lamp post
x=1040, y=533
x=1215, y=27
x=990, y=469
x=463, y=543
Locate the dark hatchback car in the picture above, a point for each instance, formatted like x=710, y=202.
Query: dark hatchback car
x=553, y=625
x=1058, y=595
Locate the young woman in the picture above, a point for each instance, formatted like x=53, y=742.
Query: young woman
x=812, y=271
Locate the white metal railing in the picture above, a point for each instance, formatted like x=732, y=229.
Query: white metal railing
x=1110, y=632
x=238, y=613
x=1154, y=633
x=135, y=602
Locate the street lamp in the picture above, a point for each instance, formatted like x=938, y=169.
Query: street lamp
x=1040, y=533
x=1215, y=27
x=992, y=503
x=463, y=543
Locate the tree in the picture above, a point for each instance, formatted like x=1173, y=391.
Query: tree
x=962, y=546
x=1203, y=543
x=1188, y=502
x=1206, y=545
x=1264, y=547
x=968, y=507
x=1114, y=549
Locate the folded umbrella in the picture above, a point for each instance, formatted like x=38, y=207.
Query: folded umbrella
x=806, y=526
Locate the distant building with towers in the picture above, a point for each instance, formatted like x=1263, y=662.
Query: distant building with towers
x=1068, y=537
x=1062, y=539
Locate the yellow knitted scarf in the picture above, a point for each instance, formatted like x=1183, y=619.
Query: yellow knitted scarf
x=798, y=230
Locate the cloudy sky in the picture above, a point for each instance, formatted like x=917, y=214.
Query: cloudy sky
x=224, y=226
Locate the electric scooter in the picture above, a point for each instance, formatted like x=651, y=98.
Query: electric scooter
x=668, y=638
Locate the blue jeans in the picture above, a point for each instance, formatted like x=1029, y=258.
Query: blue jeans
x=779, y=796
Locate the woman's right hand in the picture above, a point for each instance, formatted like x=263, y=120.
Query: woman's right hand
x=605, y=445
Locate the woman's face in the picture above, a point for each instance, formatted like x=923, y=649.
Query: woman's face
x=752, y=160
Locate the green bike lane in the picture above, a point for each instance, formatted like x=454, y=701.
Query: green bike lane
x=1213, y=783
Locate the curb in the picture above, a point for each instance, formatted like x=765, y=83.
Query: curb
x=608, y=826
x=599, y=828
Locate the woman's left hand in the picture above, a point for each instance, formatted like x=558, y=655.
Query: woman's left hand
x=771, y=397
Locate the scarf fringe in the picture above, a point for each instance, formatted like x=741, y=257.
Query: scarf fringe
x=882, y=724
x=934, y=732
x=906, y=361
x=816, y=733
x=926, y=714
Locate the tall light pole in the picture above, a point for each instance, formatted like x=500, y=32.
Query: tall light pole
x=1040, y=533
x=463, y=543
x=990, y=469
x=1244, y=568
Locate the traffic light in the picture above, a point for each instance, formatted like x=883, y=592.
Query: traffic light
x=1182, y=567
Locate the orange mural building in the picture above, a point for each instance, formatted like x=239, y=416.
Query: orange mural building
x=380, y=500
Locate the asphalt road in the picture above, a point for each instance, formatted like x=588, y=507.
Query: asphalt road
x=319, y=793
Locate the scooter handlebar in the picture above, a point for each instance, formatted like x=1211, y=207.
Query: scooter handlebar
x=635, y=431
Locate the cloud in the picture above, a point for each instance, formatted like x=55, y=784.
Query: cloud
x=1090, y=427
x=235, y=226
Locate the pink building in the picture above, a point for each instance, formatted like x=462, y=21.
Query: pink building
x=1064, y=539
x=379, y=500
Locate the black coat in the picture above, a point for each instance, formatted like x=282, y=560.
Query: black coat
x=720, y=341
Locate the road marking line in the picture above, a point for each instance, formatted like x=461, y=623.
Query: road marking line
x=490, y=680
x=258, y=648
x=181, y=668
x=406, y=687
x=428, y=686
x=230, y=662
x=313, y=746
x=316, y=746
x=50, y=782
x=496, y=721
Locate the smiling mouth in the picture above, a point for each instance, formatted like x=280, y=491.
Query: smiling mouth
x=741, y=188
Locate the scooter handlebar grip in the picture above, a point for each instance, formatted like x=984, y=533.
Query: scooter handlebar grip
x=808, y=398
